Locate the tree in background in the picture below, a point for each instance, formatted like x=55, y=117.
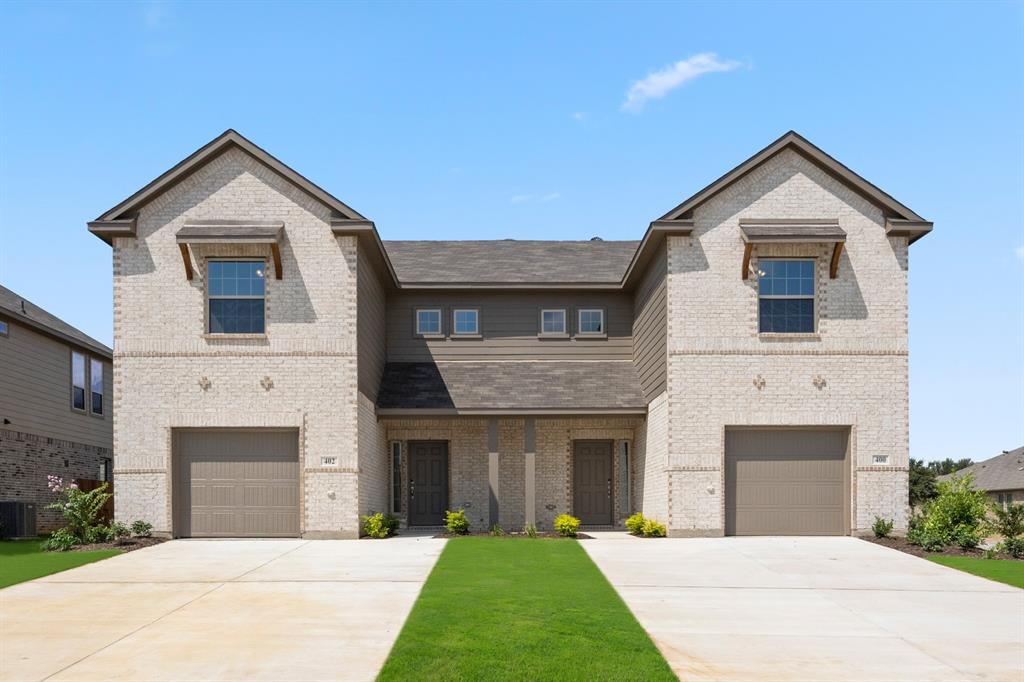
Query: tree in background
x=922, y=482
x=949, y=466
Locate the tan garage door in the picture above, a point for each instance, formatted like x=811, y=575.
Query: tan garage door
x=786, y=482
x=231, y=483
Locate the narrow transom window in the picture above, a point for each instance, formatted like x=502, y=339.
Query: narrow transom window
x=428, y=321
x=77, y=381
x=396, y=477
x=786, y=296
x=96, y=385
x=591, y=321
x=466, y=321
x=237, y=296
x=552, y=321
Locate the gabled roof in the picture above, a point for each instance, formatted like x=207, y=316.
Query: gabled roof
x=801, y=145
x=501, y=387
x=511, y=261
x=29, y=314
x=220, y=144
x=1002, y=472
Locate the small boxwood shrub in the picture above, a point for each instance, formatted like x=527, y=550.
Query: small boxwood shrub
x=1009, y=523
x=456, y=522
x=635, y=524
x=117, y=532
x=380, y=525
x=60, y=541
x=882, y=527
x=654, y=529
x=566, y=525
x=142, y=529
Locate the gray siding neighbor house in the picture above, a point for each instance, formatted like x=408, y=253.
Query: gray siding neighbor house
x=280, y=370
x=55, y=406
x=1002, y=477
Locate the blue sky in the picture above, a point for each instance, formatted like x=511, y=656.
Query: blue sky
x=538, y=120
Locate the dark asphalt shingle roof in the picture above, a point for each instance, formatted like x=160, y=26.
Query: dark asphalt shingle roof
x=510, y=385
x=32, y=315
x=510, y=261
x=1003, y=472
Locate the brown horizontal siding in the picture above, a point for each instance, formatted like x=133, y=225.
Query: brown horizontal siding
x=35, y=373
x=650, y=328
x=509, y=325
x=370, y=326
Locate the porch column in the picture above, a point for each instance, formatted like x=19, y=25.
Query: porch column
x=492, y=470
x=530, y=451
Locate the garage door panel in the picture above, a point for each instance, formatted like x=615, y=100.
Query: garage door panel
x=785, y=482
x=238, y=483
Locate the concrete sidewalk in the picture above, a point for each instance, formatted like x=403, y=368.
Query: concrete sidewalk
x=813, y=609
x=218, y=610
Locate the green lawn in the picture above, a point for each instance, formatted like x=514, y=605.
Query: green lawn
x=21, y=560
x=521, y=609
x=1001, y=570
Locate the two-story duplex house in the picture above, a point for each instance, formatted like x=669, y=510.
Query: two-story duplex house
x=279, y=370
x=55, y=407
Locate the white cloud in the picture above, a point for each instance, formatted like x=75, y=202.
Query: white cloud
x=579, y=115
x=534, y=198
x=659, y=83
x=1019, y=251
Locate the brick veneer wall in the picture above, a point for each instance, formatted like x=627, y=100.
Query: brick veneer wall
x=167, y=374
x=853, y=372
x=27, y=459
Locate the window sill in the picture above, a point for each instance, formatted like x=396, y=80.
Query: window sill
x=794, y=336
x=467, y=337
x=431, y=337
x=587, y=337
x=234, y=337
x=552, y=336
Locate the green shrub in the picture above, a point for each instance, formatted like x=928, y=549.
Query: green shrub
x=1007, y=521
x=1013, y=546
x=117, y=532
x=956, y=515
x=654, y=529
x=380, y=525
x=881, y=527
x=142, y=529
x=60, y=541
x=635, y=524
x=566, y=525
x=80, y=510
x=96, y=534
x=456, y=522
x=530, y=530
x=496, y=531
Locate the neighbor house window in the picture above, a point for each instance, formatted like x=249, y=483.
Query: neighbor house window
x=236, y=296
x=96, y=385
x=591, y=321
x=396, y=477
x=466, y=321
x=428, y=322
x=552, y=321
x=4, y=329
x=77, y=381
x=786, y=296
x=106, y=472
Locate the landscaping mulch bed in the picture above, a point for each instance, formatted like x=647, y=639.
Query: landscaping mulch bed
x=540, y=534
x=902, y=545
x=129, y=545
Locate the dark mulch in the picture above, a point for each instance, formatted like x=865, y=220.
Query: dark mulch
x=127, y=545
x=902, y=545
x=540, y=534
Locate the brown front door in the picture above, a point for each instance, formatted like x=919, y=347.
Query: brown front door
x=428, y=483
x=592, y=482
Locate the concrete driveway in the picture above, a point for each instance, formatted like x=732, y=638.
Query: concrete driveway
x=224, y=610
x=813, y=609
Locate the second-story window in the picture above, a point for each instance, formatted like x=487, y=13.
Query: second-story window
x=428, y=322
x=591, y=321
x=77, y=381
x=466, y=321
x=4, y=329
x=552, y=321
x=786, y=296
x=236, y=296
x=96, y=385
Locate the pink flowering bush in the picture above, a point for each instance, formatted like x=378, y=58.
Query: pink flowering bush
x=80, y=509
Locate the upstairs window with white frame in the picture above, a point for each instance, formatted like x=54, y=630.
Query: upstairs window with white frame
x=237, y=296
x=96, y=386
x=77, y=381
x=785, y=290
x=466, y=321
x=591, y=321
x=4, y=329
x=552, y=321
x=428, y=322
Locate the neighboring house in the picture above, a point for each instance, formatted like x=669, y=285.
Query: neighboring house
x=1002, y=477
x=55, y=405
x=742, y=369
